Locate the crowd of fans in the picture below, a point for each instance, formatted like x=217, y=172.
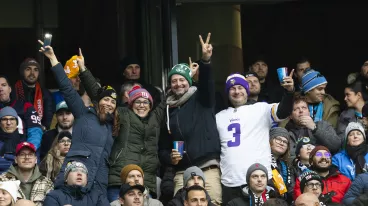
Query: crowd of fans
x=277, y=143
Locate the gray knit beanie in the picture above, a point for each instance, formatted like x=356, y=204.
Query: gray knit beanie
x=254, y=167
x=8, y=111
x=353, y=126
x=279, y=131
x=190, y=172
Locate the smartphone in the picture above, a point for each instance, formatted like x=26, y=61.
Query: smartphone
x=47, y=40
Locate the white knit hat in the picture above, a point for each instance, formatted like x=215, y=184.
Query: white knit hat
x=12, y=187
x=353, y=126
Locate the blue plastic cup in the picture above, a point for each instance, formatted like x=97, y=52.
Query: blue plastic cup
x=179, y=145
x=281, y=73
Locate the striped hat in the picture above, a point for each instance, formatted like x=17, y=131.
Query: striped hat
x=312, y=79
x=138, y=92
x=236, y=79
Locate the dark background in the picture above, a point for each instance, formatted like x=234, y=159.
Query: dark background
x=333, y=36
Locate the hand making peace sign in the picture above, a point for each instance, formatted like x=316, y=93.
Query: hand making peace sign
x=206, y=48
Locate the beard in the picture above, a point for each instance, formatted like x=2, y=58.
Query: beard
x=30, y=82
x=65, y=127
x=317, y=168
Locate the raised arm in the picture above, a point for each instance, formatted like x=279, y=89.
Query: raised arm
x=88, y=80
x=71, y=96
x=206, y=83
x=286, y=105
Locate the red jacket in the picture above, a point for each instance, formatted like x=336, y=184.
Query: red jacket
x=334, y=181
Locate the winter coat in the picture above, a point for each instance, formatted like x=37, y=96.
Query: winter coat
x=357, y=188
x=333, y=182
x=325, y=135
x=179, y=198
x=40, y=184
x=331, y=110
x=345, y=164
x=92, y=140
x=194, y=123
x=73, y=195
x=8, y=144
x=137, y=140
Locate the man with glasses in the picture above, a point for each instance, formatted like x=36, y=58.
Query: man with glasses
x=302, y=125
x=334, y=182
x=29, y=123
x=9, y=137
x=65, y=121
x=34, y=186
x=311, y=182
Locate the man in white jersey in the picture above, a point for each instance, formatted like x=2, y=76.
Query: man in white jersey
x=244, y=132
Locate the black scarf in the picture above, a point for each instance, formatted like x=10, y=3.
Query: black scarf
x=10, y=142
x=357, y=153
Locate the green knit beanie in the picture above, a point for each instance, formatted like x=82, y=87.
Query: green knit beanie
x=183, y=70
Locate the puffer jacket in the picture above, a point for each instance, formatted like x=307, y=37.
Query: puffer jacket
x=359, y=187
x=345, y=164
x=73, y=195
x=92, y=140
x=137, y=142
x=333, y=182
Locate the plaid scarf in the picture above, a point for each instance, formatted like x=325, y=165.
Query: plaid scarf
x=38, y=100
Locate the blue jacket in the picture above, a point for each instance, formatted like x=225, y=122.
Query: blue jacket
x=359, y=187
x=92, y=140
x=345, y=164
x=72, y=195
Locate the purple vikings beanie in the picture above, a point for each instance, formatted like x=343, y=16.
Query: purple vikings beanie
x=236, y=79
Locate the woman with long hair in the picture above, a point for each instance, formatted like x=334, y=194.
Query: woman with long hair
x=51, y=164
x=93, y=130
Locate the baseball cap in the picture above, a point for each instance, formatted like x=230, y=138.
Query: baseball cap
x=61, y=105
x=22, y=145
x=130, y=186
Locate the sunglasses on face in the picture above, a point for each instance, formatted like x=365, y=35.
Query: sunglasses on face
x=325, y=154
x=308, y=146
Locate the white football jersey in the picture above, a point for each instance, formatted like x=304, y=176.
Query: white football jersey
x=244, y=136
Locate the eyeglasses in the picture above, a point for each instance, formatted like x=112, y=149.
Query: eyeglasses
x=308, y=146
x=325, y=154
x=281, y=141
x=312, y=185
x=138, y=103
x=63, y=141
x=5, y=120
x=24, y=155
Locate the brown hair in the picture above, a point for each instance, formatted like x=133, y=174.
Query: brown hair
x=102, y=117
x=286, y=155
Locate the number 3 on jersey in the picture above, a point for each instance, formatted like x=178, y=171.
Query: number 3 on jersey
x=236, y=135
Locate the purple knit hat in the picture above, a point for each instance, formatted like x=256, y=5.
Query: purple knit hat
x=236, y=79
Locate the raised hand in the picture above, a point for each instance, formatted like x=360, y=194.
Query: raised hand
x=48, y=51
x=193, y=67
x=175, y=157
x=206, y=47
x=307, y=121
x=288, y=82
x=80, y=61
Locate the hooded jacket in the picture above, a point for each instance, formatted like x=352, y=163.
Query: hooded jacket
x=35, y=189
x=92, y=140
